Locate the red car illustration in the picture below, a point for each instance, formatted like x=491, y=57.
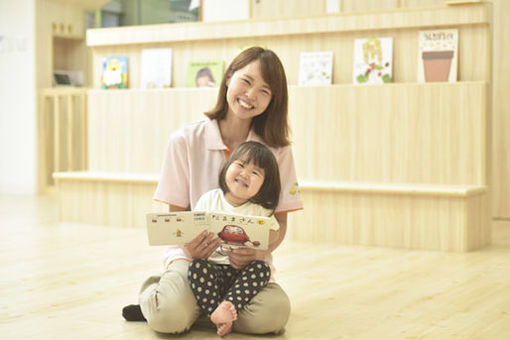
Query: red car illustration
x=233, y=234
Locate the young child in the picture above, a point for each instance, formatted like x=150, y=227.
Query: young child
x=250, y=185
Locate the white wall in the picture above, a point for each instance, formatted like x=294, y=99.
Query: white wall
x=17, y=97
x=225, y=10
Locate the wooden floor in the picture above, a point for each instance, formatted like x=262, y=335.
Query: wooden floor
x=64, y=281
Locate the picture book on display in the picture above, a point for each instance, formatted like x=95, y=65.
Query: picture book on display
x=156, y=68
x=114, y=72
x=315, y=68
x=177, y=228
x=204, y=74
x=437, y=55
x=373, y=61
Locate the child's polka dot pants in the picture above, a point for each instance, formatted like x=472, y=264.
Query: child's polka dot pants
x=213, y=283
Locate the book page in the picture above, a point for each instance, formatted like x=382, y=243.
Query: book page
x=156, y=68
x=234, y=230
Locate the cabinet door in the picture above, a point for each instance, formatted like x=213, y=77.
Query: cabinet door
x=74, y=21
x=54, y=15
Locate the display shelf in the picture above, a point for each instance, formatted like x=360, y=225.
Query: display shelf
x=402, y=165
x=472, y=14
x=391, y=218
x=429, y=132
x=432, y=217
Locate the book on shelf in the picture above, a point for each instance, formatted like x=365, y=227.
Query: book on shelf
x=156, y=68
x=315, y=68
x=177, y=228
x=114, y=72
x=437, y=55
x=373, y=60
x=204, y=73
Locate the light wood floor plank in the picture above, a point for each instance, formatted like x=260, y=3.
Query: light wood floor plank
x=61, y=281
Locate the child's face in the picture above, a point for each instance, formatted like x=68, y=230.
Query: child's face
x=248, y=95
x=204, y=81
x=243, y=180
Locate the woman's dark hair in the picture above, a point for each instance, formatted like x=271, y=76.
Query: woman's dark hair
x=271, y=125
x=269, y=193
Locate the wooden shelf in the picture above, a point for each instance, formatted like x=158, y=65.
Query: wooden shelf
x=55, y=91
x=325, y=186
x=409, y=166
x=194, y=90
x=394, y=188
x=473, y=14
x=102, y=176
x=87, y=4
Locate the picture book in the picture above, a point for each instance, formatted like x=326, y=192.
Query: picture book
x=437, y=55
x=156, y=68
x=204, y=74
x=373, y=61
x=114, y=72
x=315, y=68
x=176, y=228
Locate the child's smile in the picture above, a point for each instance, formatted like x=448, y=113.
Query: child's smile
x=243, y=180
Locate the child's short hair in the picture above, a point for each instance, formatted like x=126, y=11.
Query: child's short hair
x=269, y=193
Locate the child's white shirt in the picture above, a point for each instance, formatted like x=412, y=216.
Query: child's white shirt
x=214, y=200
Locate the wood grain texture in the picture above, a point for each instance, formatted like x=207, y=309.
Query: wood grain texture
x=447, y=218
x=414, y=156
x=62, y=278
x=62, y=132
x=359, y=21
x=129, y=130
x=501, y=112
x=393, y=219
x=401, y=133
x=472, y=66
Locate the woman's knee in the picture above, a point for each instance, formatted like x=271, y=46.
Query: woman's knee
x=173, y=316
x=268, y=312
x=169, y=304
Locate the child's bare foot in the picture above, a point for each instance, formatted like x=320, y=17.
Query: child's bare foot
x=223, y=316
x=224, y=328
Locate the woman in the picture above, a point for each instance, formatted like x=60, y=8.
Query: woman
x=251, y=106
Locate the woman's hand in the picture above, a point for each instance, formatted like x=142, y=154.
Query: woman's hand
x=202, y=246
x=240, y=257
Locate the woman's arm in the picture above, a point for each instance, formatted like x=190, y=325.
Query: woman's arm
x=278, y=235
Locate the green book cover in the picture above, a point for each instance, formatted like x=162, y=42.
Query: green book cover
x=204, y=73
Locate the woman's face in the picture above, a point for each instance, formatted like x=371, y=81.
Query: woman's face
x=248, y=95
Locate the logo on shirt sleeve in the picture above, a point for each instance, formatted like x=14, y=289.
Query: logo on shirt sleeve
x=294, y=189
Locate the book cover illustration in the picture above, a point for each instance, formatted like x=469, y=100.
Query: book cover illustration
x=437, y=55
x=234, y=230
x=156, y=68
x=204, y=74
x=315, y=68
x=373, y=61
x=114, y=72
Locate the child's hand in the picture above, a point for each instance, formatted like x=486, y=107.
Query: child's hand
x=202, y=246
x=240, y=257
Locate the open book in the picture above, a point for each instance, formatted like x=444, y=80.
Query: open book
x=183, y=226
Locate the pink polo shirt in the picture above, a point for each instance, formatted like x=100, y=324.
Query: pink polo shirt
x=193, y=160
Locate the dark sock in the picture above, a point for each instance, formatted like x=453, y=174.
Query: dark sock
x=133, y=313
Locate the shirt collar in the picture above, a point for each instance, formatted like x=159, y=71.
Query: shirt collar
x=213, y=136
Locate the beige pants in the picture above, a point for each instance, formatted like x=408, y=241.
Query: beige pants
x=169, y=306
